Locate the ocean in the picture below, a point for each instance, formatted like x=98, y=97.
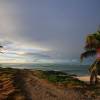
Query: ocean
x=78, y=70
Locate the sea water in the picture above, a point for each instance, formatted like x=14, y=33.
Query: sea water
x=79, y=70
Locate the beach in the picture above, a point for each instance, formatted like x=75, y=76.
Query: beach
x=85, y=78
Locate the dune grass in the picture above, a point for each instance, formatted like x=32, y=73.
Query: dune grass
x=58, y=77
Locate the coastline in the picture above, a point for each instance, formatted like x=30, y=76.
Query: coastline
x=85, y=78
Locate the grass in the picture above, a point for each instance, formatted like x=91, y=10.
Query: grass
x=58, y=77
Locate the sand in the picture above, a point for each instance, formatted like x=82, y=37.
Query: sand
x=85, y=78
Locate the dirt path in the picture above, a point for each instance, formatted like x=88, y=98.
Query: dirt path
x=40, y=90
x=24, y=85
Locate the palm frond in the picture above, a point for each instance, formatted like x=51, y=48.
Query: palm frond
x=92, y=41
x=91, y=45
x=88, y=53
x=97, y=35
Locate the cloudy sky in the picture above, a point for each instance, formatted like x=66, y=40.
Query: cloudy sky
x=46, y=30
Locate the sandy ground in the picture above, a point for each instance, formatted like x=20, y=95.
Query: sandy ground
x=85, y=78
x=25, y=85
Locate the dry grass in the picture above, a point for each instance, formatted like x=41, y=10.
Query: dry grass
x=34, y=85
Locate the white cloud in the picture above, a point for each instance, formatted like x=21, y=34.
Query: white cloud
x=15, y=51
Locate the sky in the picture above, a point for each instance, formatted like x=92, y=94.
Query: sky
x=33, y=31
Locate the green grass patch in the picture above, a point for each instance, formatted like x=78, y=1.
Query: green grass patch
x=60, y=77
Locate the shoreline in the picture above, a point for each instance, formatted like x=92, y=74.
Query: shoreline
x=85, y=78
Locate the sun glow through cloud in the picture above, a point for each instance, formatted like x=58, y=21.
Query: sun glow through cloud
x=15, y=53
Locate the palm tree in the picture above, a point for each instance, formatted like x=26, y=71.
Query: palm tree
x=91, y=46
x=92, y=43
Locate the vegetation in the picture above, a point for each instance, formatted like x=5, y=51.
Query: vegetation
x=91, y=45
x=58, y=77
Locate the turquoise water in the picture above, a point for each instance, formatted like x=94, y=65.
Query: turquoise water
x=72, y=69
